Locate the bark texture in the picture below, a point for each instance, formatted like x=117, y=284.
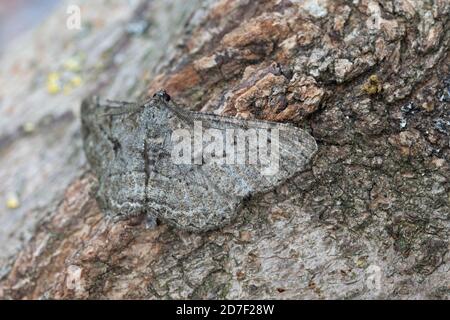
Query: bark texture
x=369, y=79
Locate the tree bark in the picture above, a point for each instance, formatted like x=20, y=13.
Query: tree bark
x=370, y=80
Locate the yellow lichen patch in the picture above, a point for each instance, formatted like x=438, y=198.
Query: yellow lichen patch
x=68, y=76
x=372, y=86
x=53, y=83
x=12, y=202
x=361, y=262
x=76, y=81
x=73, y=83
x=28, y=127
x=427, y=106
x=72, y=64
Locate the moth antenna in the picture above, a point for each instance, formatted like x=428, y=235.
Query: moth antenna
x=119, y=102
x=130, y=109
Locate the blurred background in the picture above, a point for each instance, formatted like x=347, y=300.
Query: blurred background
x=17, y=16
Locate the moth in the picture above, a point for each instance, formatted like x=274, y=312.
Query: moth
x=192, y=170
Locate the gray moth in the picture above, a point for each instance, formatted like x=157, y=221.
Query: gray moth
x=135, y=150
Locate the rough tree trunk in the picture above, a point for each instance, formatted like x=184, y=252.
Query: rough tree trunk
x=369, y=79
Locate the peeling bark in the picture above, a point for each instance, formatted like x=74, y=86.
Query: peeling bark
x=369, y=79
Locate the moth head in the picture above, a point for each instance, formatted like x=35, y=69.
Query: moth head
x=163, y=95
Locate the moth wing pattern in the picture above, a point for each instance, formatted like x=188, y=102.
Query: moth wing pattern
x=94, y=131
x=208, y=195
x=114, y=148
x=131, y=156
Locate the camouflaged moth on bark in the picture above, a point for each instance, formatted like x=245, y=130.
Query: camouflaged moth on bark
x=130, y=147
